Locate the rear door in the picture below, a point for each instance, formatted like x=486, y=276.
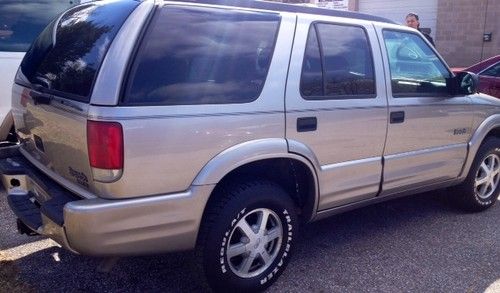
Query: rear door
x=54, y=84
x=428, y=128
x=336, y=107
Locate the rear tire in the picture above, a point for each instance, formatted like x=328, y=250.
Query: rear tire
x=480, y=189
x=247, y=236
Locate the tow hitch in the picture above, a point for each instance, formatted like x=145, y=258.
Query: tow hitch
x=23, y=229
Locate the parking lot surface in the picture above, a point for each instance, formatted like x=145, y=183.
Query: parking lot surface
x=414, y=244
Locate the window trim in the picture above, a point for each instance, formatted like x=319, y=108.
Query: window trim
x=153, y=18
x=411, y=95
x=339, y=97
x=487, y=68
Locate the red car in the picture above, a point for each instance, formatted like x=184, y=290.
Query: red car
x=489, y=75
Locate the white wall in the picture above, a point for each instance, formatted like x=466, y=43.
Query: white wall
x=397, y=10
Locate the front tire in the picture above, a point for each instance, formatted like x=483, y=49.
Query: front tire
x=247, y=236
x=480, y=189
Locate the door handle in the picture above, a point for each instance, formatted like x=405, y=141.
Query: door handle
x=307, y=124
x=397, y=117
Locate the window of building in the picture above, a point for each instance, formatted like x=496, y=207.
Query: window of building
x=416, y=71
x=203, y=56
x=338, y=63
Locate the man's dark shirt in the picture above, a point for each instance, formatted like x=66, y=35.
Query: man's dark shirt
x=428, y=37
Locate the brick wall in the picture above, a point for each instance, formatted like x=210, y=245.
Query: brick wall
x=460, y=27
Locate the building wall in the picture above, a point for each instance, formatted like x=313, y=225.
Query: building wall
x=460, y=28
x=397, y=10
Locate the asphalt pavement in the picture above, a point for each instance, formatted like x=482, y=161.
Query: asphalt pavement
x=414, y=244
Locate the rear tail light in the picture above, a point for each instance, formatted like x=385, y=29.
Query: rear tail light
x=105, y=146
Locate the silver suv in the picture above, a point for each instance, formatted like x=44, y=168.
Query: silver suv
x=151, y=127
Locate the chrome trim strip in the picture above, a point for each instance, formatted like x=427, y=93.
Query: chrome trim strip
x=424, y=151
x=99, y=117
x=350, y=163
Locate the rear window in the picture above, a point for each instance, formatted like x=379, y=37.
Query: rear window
x=202, y=56
x=21, y=21
x=67, y=65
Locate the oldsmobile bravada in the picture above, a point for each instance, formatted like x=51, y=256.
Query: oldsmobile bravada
x=150, y=127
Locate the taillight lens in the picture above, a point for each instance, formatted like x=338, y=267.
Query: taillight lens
x=105, y=144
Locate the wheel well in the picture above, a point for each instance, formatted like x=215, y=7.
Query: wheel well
x=292, y=175
x=494, y=132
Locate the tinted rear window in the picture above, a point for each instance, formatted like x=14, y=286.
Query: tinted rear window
x=203, y=56
x=21, y=21
x=84, y=33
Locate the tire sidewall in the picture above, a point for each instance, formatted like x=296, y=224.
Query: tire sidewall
x=221, y=276
x=490, y=146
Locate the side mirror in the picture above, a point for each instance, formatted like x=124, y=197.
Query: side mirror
x=463, y=83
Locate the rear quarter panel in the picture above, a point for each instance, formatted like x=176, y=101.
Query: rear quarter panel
x=167, y=146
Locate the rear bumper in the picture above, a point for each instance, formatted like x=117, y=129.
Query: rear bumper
x=97, y=226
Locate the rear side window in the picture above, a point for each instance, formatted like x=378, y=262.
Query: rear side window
x=338, y=63
x=493, y=71
x=202, y=56
x=67, y=64
x=21, y=21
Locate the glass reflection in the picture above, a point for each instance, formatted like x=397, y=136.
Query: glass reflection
x=22, y=20
x=215, y=56
x=69, y=63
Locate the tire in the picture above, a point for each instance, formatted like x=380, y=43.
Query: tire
x=232, y=254
x=480, y=190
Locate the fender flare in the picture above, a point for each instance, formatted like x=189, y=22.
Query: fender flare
x=477, y=139
x=244, y=153
x=252, y=151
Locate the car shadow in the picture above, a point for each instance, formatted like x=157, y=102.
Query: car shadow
x=342, y=250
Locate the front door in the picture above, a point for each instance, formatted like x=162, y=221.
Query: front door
x=428, y=128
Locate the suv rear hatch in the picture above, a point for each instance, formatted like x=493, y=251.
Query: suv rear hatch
x=54, y=84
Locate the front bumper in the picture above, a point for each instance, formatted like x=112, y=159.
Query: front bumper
x=101, y=227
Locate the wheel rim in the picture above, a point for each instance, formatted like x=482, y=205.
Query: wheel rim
x=487, y=176
x=254, y=243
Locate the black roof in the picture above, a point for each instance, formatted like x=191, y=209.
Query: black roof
x=281, y=7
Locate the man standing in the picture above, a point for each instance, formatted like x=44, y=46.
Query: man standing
x=413, y=21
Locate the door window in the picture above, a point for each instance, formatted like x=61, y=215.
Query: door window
x=416, y=70
x=337, y=64
x=493, y=71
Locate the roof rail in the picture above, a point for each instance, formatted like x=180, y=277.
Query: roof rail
x=282, y=7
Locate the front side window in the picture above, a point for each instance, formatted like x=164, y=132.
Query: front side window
x=493, y=71
x=216, y=56
x=415, y=69
x=337, y=64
